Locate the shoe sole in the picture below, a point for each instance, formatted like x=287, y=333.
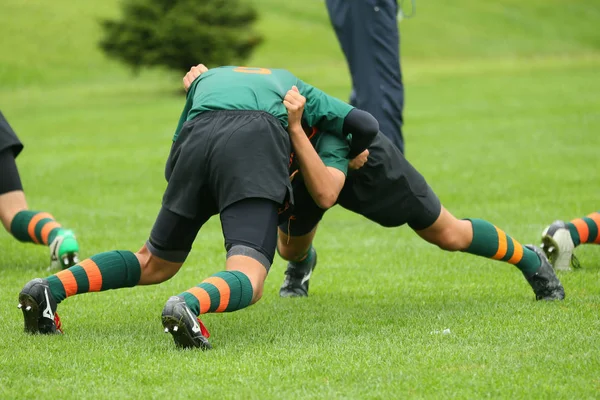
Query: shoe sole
x=552, y=297
x=69, y=259
x=30, y=310
x=182, y=337
x=289, y=295
x=558, y=263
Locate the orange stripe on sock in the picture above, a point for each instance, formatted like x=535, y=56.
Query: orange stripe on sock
x=203, y=298
x=517, y=253
x=93, y=274
x=582, y=229
x=502, y=246
x=68, y=280
x=224, y=291
x=596, y=218
x=47, y=229
x=31, y=227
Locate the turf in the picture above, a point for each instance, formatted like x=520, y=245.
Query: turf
x=501, y=118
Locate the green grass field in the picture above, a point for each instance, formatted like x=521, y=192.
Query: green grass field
x=502, y=118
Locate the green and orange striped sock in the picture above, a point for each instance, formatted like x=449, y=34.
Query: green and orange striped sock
x=491, y=242
x=225, y=291
x=104, y=271
x=586, y=229
x=35, y=227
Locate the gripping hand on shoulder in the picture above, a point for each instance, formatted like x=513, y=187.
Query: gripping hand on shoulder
x=192, y=74
x=294, y=103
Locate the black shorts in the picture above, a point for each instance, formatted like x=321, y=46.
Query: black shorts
x=387, y=190
x=222, y=157
x=8, y=137
x=9, y=174
x=249, y=228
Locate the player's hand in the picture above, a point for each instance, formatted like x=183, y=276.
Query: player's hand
x=294, y=103
x=192, y=74
x=359, y=161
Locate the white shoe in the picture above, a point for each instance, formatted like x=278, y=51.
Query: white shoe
x=558, y=246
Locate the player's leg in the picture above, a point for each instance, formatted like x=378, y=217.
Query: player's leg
x=479, y=237
x=32, y=226
x=401, y=195
x=369, y=36
x=294, y=243
x=247, y=175
x=250, y=231
x=157, y=261
x=302, y=261
x=561, y=238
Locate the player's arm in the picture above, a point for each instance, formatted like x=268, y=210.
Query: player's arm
x=363, y=127
x=333, y=115
x=192, y=74
x=323, y=183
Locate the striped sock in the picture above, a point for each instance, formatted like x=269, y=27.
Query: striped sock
x=225, y=291
x=491, y=242
x=34, y=227
x=585, y=230
x=104, y=271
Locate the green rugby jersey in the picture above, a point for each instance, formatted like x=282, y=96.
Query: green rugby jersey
x=333, y=151
x=261, y=89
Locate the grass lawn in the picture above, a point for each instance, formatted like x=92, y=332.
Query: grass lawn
x=502, y=118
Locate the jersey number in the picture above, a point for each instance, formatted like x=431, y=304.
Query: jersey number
x=248, y=70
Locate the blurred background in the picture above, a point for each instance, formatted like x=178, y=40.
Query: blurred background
x=502, y=117
x=501, y=97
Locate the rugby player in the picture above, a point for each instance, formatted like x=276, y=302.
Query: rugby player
x=230, y=156
x=391, y=192
x=385, y=188
x=26, y=225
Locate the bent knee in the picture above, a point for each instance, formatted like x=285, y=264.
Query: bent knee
x=452, y=240
x=257, y=294
x=290, y=253
x=154, y=269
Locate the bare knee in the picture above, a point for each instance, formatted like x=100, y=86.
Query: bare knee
x=10, y=204
x=257, y=292
x=291, y=252
x=253, y=269
x=449, y=233
x=451, y=240
x=456, y=236
x=154, y=269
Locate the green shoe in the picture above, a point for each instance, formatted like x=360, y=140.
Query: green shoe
x=64, y=250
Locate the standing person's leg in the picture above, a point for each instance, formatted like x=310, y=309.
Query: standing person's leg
x=369, y=36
